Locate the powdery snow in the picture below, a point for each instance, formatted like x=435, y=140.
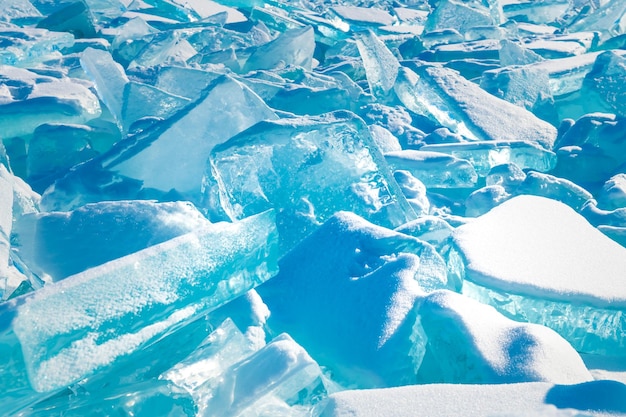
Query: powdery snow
x=445, y=400
x=540, y=247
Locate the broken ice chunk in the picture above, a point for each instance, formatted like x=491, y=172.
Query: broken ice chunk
x=100, y=232
x=484, y=155
x=29, y=100
x=606, y=80
x=6, y=224
x=263, y=383
x=414, y=191
x=534, y=11
x=431, y=229
x=293, y=47
x=608, y=19
x=363, y=16
x=592, y=150
x=74, y=18
x=109, y=78
x=55, y=148
x=368, y=276
x=381, y=66
x=27, y=47
x=458, y=15
x=307, y=168
x=512, y=53
x=165, y=48
x=92, y=319
x=434, y=169
x=537, y=260
x=484, y=199
x=224, y=347
x=185, y=82
x=472, y=343
x=18, y=10
x=207, y=8
x=465, y=108
x=508, y=175
x=174, y=156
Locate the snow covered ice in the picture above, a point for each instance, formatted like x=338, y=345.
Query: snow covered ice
x=312, y=208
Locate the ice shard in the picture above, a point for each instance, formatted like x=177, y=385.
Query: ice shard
x=25, y=47
x=112, y=311
x=559, y=189
x=294, y=47
x=175, y=159
x=168, y=158
x=264, y=383
x=485, y=155
x=537, y=260
x=35, y=99
x=381, y=66
x=605, y=81
x=465, y=108
x=434, y=169
x=100, y=232
x=458, y=15
x=15, y=10
x=608, y=19
x=306, y=168
x=109, y=78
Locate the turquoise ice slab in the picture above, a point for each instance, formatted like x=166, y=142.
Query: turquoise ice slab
x=33, y=99
x=69, y=330
x=169, y=157
x=455, y=102
x=434, y=169
x=537, y=260
x=485, y=155
x=175, y=159
x=307, y=168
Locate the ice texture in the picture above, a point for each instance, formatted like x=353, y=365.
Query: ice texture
x=408, y=164
x=462, y=106
x=307, y=169
x=100, y=232
x=548, y=266
x=96, y=317
x=434, y=169
x=34, y=99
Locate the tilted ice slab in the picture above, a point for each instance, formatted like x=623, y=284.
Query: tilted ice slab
x=484, y=155
x=470, y=342
x=453, y=400
x=307, y=168
x=457, y=103
x=99, y=232
x=71, y=329
x=176, y=158
x=537, y=260
x=28, y=100
x=434, y=169
x=169, y=157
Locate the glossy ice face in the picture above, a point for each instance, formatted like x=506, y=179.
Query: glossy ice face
x=246, y=208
